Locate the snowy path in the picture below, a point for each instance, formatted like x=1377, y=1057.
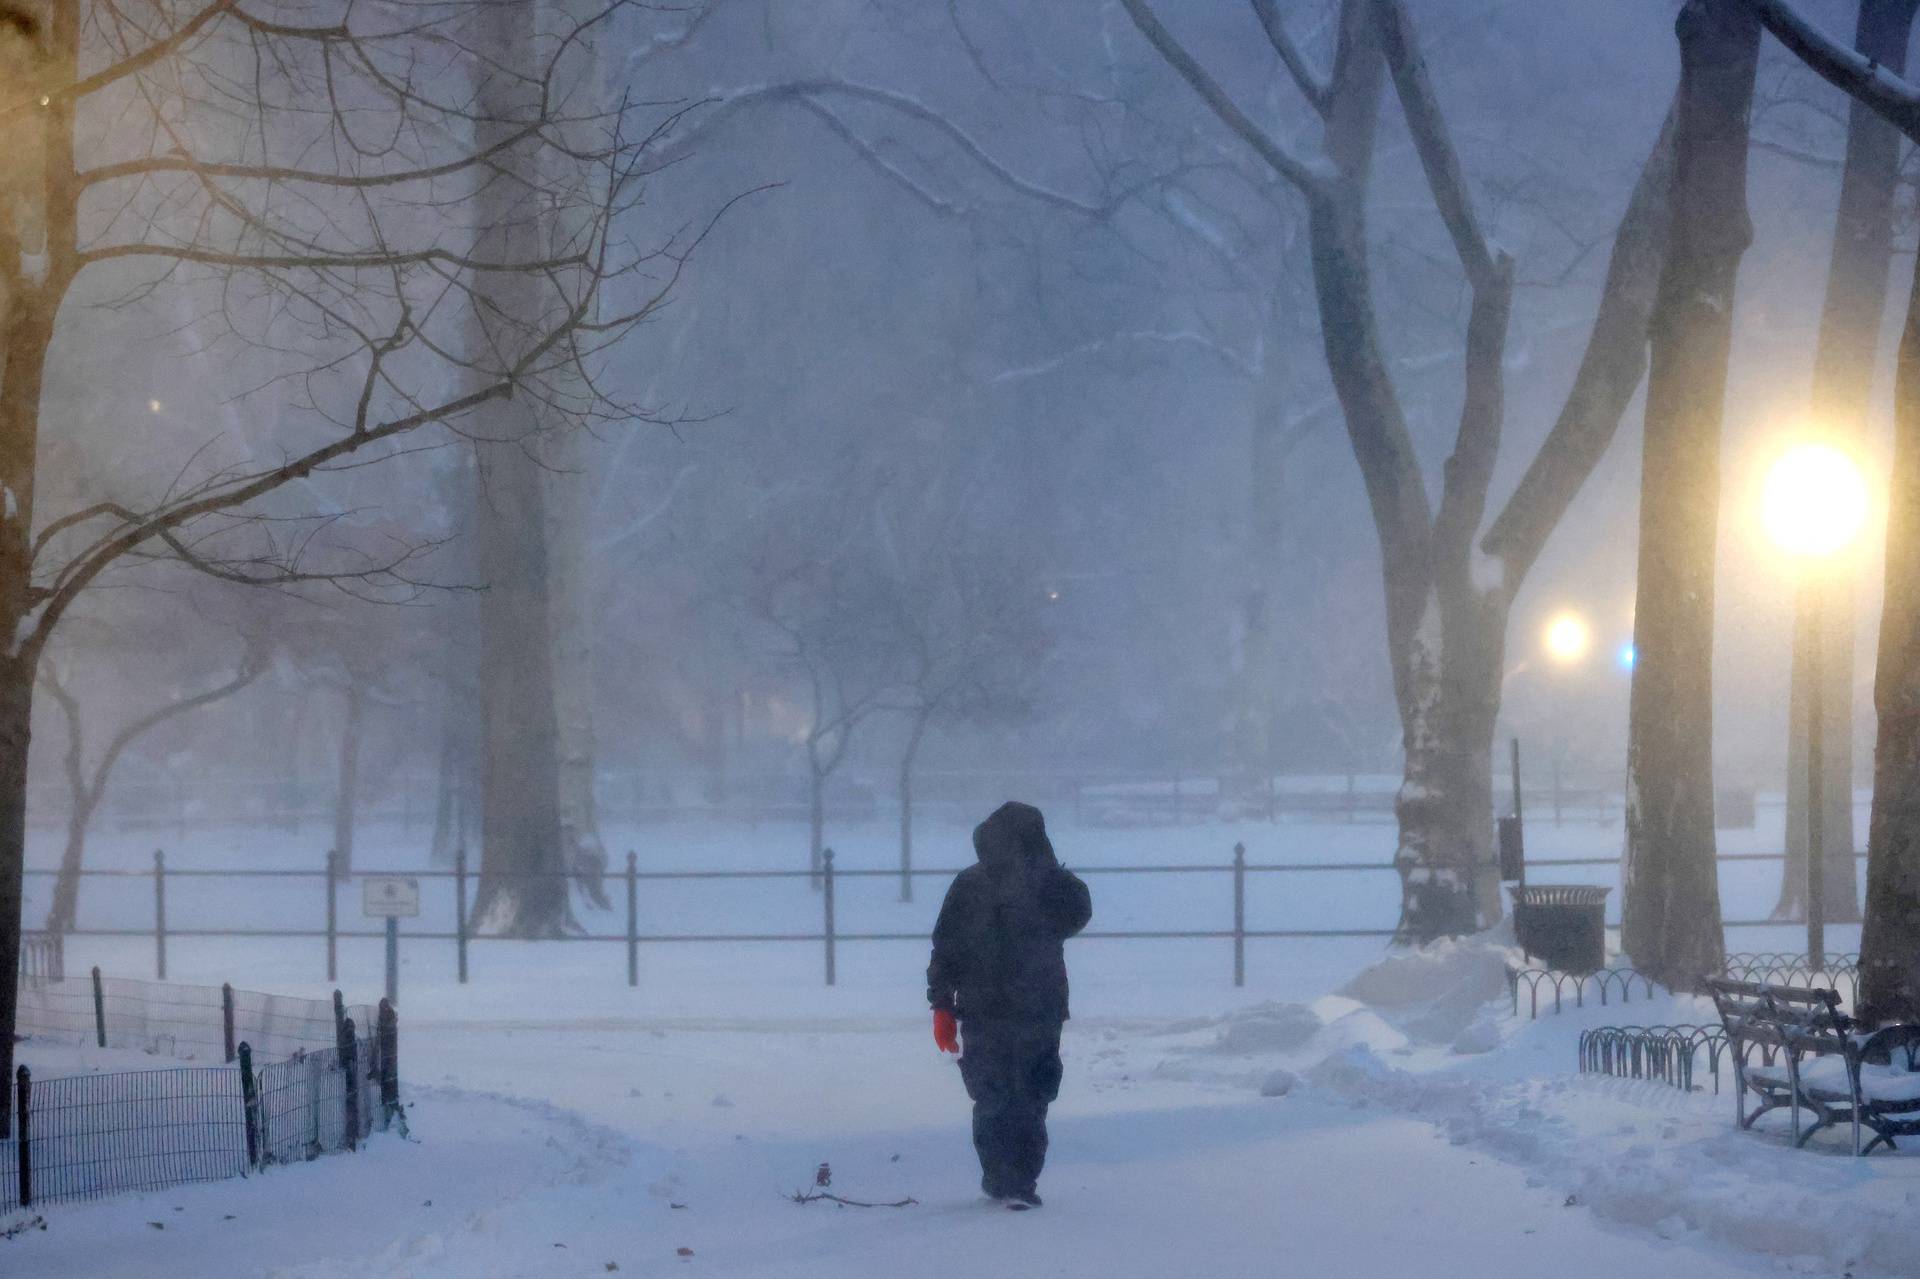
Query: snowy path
x=1151, y=1176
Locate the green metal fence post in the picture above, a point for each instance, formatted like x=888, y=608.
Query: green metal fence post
x=250, y=1105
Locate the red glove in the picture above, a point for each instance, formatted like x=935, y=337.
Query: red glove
x=946, y=1031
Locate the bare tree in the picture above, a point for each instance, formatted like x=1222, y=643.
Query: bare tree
x=1671, y=900
x=87, y=781
x=971, y=623
x=295, y=172
x=1843, y=366
x=1890, y=932
x=1449, y=584
x=817, y=587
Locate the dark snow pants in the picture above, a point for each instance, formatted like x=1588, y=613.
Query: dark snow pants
x=1012, y=1071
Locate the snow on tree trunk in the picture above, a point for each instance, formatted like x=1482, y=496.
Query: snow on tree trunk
x=1671, y=898
x=1449, y=702
x=1842, y=383
x=1890, y=933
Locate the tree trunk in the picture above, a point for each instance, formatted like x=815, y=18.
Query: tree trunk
x=457, y=616
x=816, y=812
x=1449, y=703
x=1671, y=901
x=1890, y=934
x=16, y=722
x=65, y=907
x=346, y=793
x=1842, y=383
x=907, y=758
x=523, y=867
x=567, y=495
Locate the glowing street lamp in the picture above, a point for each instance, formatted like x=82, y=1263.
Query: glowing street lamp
x=1813, y=505
x=1567, y=638
x=1814, y=501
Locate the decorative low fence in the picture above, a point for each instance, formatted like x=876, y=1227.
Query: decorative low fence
x=1620, y=984
x=324, y=1082
x=1667, y=1054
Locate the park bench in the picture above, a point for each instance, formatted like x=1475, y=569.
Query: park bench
x=1814, y=1057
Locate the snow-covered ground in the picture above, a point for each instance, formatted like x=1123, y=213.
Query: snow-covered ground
x=1317, y=1122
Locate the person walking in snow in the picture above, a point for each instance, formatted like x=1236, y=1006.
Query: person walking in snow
x=998, y=983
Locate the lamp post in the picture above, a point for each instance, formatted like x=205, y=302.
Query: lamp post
x=1813, y=505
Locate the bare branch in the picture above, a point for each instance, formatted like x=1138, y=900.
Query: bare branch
x=1842, y=66
x=1308, y=177
x=1609, y=375
x=1312, y=85
x=1431, y=141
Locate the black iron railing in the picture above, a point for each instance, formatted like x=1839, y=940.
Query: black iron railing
x=89, y=1136
x=829, y=936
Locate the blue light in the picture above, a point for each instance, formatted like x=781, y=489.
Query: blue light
x=1626, y=656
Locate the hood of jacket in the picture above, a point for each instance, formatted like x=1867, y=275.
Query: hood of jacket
x=1015, y=833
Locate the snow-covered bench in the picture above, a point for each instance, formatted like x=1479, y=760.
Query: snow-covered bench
x=1813, y=1056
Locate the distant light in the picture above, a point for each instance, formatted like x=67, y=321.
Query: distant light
x=1625, y=656
x=1567, y=638
x=1053, y=597
x=154, y=406
x=1814, y=501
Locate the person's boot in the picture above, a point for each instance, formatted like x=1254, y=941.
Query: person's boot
x=995, y=1190
x=1025, y=1197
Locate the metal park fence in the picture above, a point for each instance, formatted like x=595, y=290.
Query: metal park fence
x=186, y=1022
x=325, y=1082
x=1232, y=876
x=180, y=801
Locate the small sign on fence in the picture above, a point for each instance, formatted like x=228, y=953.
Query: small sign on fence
x=391, y=897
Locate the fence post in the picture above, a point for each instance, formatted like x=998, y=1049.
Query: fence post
x=339, y=1023
x=99, y=1009
x=250, y=1105
x=350, y=1070
x=460, y=907
x=1239, y=914
x=826, y=858
x=389, y=1038
x=226, y=1016
x=633, y=921
x=333, y=906
x=160, y=914
x=23, y=1165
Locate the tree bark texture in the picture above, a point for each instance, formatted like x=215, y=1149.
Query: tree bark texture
x=1849, y=342
x=1671, y=901
x=1890, y=932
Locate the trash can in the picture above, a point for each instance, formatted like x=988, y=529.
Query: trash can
x=1564, y=926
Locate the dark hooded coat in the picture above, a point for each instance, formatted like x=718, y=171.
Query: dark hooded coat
x=997, y=947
